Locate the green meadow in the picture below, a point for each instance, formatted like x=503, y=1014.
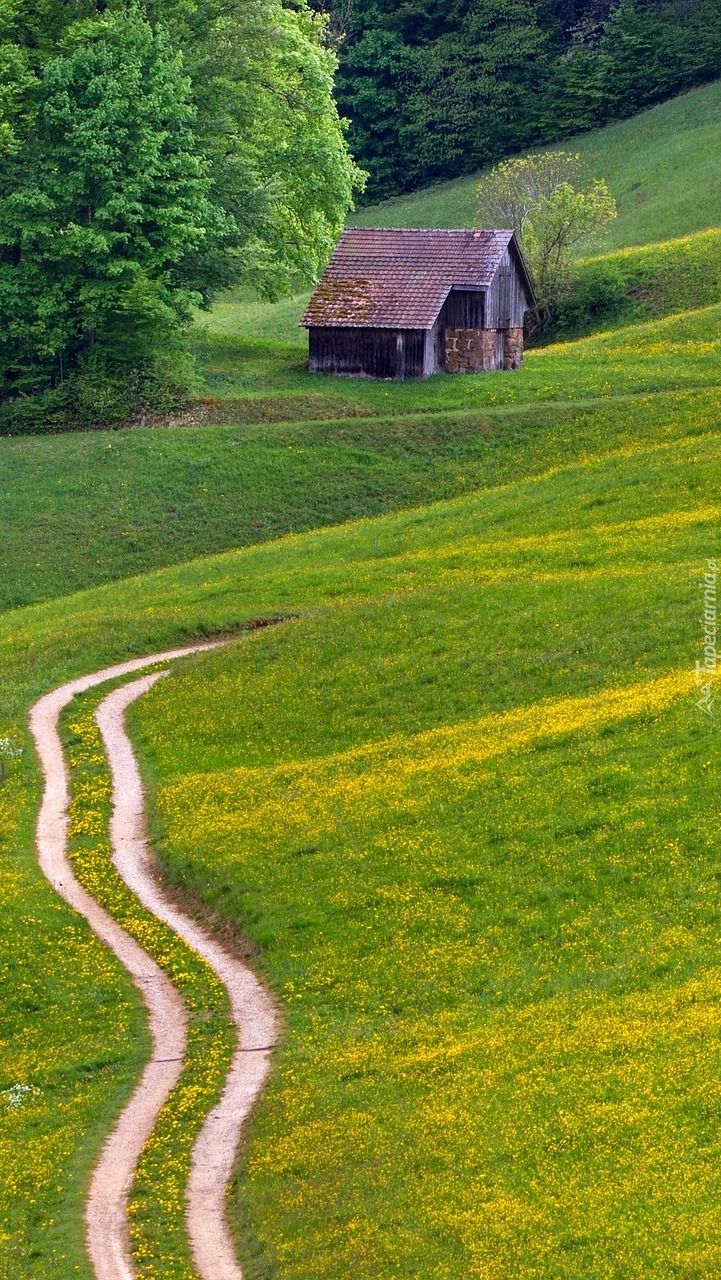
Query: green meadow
x=466, y=814
x=462, y=802
x=270, y=449
x=88, y=508
x=459, y=802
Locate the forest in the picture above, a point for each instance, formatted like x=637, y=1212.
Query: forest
x=434, y=89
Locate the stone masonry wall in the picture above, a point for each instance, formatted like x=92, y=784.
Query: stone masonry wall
x=513, y=349
x=470, y=350
x=475, y=350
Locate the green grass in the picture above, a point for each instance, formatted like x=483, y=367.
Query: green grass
x=236, y=313
x=611, y=290
x=490, y=910
x=650, y=262
x=629, y=285
x=661, y=166
x=574, y=569
x=87, y=508
x=73, y=1035
x=495, y=945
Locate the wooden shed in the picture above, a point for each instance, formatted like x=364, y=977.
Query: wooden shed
x=397, y=303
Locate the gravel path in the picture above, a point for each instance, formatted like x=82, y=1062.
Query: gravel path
x=252, y=1009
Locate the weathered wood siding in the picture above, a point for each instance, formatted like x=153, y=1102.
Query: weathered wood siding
x=373, y=353
x=506, y=300
x=463, y=309
x=432, y=353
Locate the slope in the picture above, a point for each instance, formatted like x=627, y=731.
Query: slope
x=489, y=911
x=660, y=166
x=87, y=508
x=90, y=508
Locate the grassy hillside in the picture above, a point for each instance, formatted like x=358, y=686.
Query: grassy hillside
x=653, y=260
x=466, y=811
x=89, y=508
x=661, y=166
x=501, y=1032
x=462, y=801
x=663, y=279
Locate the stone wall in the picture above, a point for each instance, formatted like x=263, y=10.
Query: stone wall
x=470, y=350
x=476, y=350
x=513, y=349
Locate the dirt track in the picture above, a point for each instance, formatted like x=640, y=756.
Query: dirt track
x=252, y=1009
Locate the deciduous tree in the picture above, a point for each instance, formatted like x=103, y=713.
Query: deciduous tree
x=551, y=205
x=104, y=208
x=151, y=156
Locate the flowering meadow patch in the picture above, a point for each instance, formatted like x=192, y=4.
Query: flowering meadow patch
x=470, y=823
x=504, y=1032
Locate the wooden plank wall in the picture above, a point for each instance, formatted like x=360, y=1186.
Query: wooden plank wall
x=506, y=302
x=373, y=353
x=463, y=309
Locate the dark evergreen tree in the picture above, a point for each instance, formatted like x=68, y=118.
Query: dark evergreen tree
x=631, y=72
x=651, y=51
x=434, y=88
x=477, y=94
x=371, y=94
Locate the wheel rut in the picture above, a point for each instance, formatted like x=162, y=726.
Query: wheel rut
x=106, y=1221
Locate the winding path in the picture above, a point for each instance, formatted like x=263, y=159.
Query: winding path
x=108, y=1238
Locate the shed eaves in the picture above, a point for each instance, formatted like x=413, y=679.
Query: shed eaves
x=399, y=278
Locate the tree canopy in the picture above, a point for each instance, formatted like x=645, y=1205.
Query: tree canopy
x=551, y=204
x=151, y=156
x=436, y=89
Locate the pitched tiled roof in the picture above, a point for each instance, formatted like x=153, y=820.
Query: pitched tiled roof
x=388, y=278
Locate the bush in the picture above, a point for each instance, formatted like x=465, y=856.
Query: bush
x=596, y=294
x=104, y=393
x=643, y=283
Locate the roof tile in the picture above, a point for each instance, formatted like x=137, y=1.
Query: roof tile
x=390, y=278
